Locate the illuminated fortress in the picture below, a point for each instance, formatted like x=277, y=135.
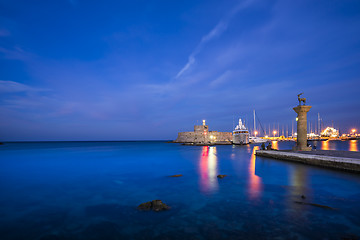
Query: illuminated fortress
x=202, y=135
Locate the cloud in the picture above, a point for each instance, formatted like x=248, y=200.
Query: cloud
x=16, y=53
x=4, y=33
x=15, y=87
x=190, y=62
x=217, y=31
x=222, y=78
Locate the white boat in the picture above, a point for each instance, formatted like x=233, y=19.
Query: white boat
x=255, y=139
x=240, y=134
x=258, y=140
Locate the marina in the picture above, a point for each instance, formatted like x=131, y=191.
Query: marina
x=180, y=120
x=201, y=136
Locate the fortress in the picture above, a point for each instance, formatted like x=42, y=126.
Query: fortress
x=202, y=135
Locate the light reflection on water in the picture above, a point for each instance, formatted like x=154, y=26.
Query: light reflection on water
x=275, y=145
x=354, y=145
x=325, y=145
x=255, y=184
x=208, y=170
x=349, y=145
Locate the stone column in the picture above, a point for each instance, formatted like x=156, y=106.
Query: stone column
x=301, y=144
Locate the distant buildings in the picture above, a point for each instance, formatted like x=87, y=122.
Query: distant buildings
x=330, y=132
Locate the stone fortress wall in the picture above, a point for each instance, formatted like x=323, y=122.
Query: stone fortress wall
x=202, y=135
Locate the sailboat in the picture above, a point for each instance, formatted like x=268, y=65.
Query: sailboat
x=255, y=139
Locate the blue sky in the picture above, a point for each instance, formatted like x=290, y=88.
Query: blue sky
x=128, y=70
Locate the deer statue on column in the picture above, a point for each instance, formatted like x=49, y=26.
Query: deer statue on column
x=301, y=99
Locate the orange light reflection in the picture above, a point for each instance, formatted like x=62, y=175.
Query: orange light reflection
x=353, y=146
x=274, y=145
x=255, y=184
x=325, y=145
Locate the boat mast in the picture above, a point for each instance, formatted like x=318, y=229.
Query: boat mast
x=319, y=127
x=254, y=123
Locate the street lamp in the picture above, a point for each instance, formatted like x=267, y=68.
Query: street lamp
x=255, y=133
x=274, y=132
x=353, y=131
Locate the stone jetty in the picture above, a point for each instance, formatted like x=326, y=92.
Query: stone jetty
x=342, y=160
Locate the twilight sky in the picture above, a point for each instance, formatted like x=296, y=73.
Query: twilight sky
x=128, y=70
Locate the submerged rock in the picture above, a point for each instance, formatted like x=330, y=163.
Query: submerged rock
x=221, y=176
x=315, y=205
x=176, y=175
x=155, y=205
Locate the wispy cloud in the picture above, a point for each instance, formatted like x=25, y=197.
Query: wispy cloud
x=15, y=53
x=15, y=87
x=4, y=33
x=222, y=78
x=217, y=31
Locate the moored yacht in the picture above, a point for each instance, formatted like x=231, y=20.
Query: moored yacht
x=255, y=139
x=240, y=134
x=258, y=140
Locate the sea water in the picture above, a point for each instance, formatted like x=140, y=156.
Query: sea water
x=91, y=190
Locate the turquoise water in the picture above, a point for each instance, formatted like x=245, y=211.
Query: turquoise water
x=90, y=190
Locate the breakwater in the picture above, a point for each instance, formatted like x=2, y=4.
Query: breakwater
x=349, y=161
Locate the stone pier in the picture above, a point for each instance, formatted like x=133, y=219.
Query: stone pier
x=342, y=160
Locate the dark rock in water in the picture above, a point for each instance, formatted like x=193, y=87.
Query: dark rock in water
x=155, y=205
x=315, y=205
x=221, y=176
x=176, y=175
x=303, y=196
x=145, y=206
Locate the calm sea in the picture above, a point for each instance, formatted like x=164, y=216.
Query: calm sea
x=90, y=190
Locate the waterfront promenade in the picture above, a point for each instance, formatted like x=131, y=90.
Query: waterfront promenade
x=342, y=160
